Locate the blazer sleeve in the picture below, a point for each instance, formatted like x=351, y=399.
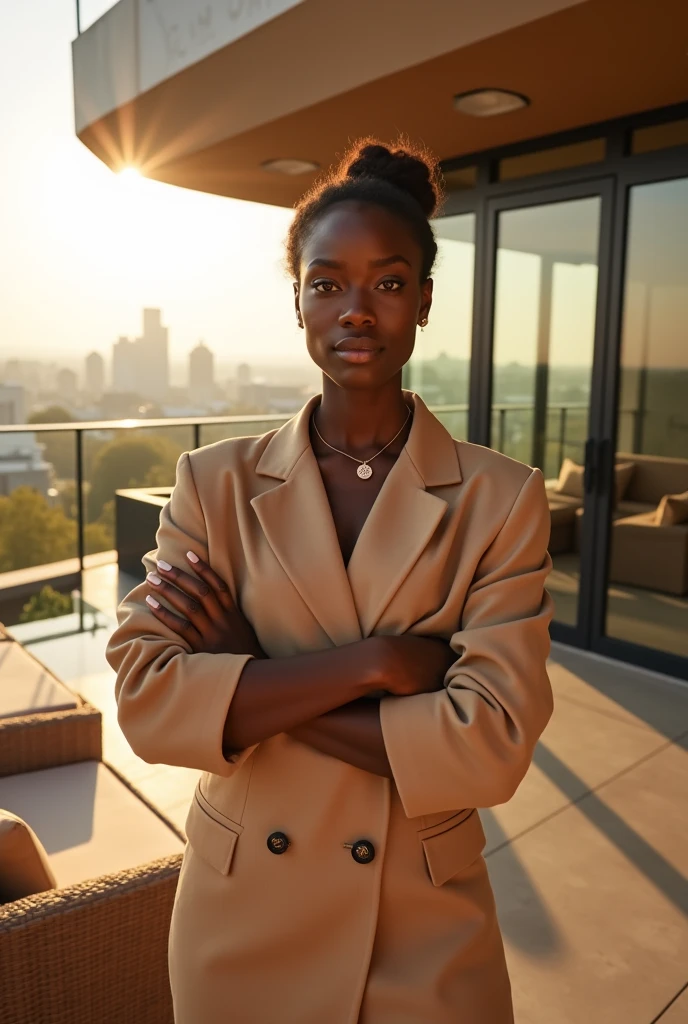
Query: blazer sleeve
x=172, y=702
x=470, y=743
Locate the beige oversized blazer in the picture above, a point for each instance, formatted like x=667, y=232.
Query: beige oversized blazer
x=455, y=545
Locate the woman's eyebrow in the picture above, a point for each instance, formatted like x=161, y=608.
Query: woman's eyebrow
x=388, y=260
x=320, y=261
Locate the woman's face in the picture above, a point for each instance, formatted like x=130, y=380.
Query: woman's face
x=359, y=294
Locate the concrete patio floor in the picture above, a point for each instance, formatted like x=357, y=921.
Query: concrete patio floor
x=588, y=860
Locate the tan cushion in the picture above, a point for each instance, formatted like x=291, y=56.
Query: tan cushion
x=672, y=510
x=26, y=687
x=635, y=508
x=623, y=471
x=90, y=823
x=24, y=865
x=570, y=479
x=654, y=477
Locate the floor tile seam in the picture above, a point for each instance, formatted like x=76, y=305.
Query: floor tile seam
x=584, y=796
x=671, y=1003
x=614, y=716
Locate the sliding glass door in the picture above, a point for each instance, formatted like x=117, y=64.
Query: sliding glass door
x=543, y=348
x=647, y=567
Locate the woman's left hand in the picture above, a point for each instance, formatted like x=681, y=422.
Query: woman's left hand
x=210, y=620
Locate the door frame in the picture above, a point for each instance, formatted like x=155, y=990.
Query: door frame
x=611, y=178
x=602, y=187
x=667, y=165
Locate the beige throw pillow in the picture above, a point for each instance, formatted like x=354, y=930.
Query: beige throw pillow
x=570, y=479
x=24, y=865
x=672, y=510
x=572, y=475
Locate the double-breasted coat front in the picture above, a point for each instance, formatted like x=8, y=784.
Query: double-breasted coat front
x=455, y=545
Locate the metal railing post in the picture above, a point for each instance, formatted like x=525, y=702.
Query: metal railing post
x=562, y=434
x=80, y=520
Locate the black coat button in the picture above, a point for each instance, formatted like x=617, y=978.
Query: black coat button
x=278, y=842
x=362, y=851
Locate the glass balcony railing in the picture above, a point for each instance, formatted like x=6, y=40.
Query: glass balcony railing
x=58, y=495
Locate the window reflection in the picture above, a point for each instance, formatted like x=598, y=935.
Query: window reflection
x=647, y=596
x=544, y=330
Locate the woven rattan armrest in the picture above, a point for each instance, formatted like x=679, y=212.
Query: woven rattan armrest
x=48, y=739
x=93, y=953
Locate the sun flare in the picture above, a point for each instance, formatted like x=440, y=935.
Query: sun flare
x=129, y=174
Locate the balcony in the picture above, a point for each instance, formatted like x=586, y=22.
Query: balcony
x=71, y=539
x=586, y=861
x=599, y=812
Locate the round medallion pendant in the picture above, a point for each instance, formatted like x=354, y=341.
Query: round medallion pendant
x=364, y=471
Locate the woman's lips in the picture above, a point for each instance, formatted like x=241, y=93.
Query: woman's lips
x=358, y=355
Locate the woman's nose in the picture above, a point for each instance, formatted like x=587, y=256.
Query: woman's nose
x=358, y=314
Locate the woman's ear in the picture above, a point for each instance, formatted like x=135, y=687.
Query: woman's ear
x=297, y=306
x=425, y=300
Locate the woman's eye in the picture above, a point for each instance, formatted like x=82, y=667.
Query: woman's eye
x=324, y=286
x=390, y=285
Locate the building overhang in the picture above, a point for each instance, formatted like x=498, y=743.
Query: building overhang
x=201, y=95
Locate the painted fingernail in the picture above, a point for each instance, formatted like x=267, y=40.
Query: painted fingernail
x=152, y=602
x=152, y=578
x=164, y=565
x=190, y=555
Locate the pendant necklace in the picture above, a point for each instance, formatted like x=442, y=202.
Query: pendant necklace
x=364, y=471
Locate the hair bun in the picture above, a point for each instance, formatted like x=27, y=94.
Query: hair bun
x=407, y=168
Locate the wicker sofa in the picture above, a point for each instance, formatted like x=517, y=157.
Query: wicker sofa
x=94, y=947
x=643, y=553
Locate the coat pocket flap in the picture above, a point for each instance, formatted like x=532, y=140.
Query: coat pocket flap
x=211, y=835
x=454, y=847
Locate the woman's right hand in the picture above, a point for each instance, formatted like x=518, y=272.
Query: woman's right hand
x=407, y=664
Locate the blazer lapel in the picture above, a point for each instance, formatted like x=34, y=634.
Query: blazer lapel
x=296, y=519
x=404, y=517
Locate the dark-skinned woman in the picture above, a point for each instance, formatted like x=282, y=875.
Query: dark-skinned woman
x=344, y=627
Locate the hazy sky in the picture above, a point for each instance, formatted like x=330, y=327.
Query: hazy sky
x=82, y=251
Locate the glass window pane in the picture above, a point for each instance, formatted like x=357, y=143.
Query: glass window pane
x=660, y=136
x=647, y=596
x=440, y=366
x=544, y=329
x=460, y=179
x=555, y=159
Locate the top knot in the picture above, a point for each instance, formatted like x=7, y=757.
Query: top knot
x=409, y=169
x=405, y=180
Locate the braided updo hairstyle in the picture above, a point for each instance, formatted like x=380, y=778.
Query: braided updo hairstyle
x=405, y=180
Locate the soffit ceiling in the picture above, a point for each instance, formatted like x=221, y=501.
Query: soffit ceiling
x=591, y=62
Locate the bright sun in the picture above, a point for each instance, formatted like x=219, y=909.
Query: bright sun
x=129, y=174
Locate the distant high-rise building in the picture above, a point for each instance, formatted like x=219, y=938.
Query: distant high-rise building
x=124, y=376
x=243, y=374
x=152, y=357
x=67, y=384
x=142, y=365
x=21, y=456
x=95, y=375
x=201, y=374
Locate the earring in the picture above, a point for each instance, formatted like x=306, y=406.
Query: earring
x=423, y=323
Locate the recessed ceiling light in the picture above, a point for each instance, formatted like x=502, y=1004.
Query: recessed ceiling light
x=488, y=102
x=289, y=166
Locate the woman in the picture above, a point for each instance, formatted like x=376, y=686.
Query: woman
x=345, y=627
